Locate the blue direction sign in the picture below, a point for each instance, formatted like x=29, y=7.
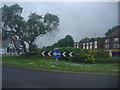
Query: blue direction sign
x=56, y=54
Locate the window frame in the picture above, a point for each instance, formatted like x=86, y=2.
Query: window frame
x=116, y=39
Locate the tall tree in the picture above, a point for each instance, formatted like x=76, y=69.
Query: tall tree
x=69, y=40
x=29, y=30
x=62, y=43
x=65, y=42
x=13, y=23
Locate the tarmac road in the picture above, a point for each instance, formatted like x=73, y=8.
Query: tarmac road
x=14, y=77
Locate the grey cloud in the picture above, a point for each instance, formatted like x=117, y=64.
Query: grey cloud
x=77, y=19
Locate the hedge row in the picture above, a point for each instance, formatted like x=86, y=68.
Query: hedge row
x=82, y=55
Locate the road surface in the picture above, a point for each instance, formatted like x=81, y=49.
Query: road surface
x=14, y=77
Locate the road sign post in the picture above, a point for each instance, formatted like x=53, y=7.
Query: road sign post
x=56, y=55
x=56, y=61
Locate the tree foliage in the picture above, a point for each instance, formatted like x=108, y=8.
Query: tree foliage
x=69, y=40
x=84, y=40
x=65, y=42
x=27, y=30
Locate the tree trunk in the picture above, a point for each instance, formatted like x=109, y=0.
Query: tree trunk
x=30, y=48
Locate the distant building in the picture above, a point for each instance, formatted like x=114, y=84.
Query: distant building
x=11, y=46
x=112, y=41
x=76, y=44
x=90, y=45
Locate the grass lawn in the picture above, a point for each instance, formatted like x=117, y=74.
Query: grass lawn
x=49, y=64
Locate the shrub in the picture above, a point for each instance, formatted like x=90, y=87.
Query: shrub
x=90, y=58
x=99, y=53
x=80, y=55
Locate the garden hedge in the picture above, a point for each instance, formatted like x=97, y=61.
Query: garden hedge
x=81, y=55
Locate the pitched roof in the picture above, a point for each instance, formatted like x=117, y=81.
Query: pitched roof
x=7, y=41
x=115, y=33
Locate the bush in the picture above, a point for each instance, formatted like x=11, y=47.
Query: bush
x=93, y=54
x=90, y=58
x=99, y=53
x=80, y=55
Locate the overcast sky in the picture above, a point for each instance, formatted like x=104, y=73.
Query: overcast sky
x=78, y=19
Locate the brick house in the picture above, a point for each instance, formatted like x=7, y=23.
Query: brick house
x=112, y=41
x=90, y=45
x=76, y=44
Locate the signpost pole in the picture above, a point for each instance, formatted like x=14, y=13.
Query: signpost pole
x=56, y=54
x=56, y=61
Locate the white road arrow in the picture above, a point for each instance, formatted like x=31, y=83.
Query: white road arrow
x=70, y=54
x=43, y=53
x=49, y=53
x=64, y=54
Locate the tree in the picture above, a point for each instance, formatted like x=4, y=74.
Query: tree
x=27, y=31
x=62, y=43
x=65, y=42
x=92, y=39
x=100, y=39
x=55, y=45
x=84, y=40
x=13, y=23
x=69, y=41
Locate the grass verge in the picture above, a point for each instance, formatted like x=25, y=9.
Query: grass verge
x=50, y=64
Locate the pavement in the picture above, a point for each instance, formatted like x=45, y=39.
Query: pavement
x=14, y=77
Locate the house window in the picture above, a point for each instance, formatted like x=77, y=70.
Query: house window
x=87, y=46
x=90, y=45
x=77, y=45
x=116, y=46
x=8, y=49
x=116, y=39
x=107, y=46
x=95, y=44
x=107, y=40
x=83, y=45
